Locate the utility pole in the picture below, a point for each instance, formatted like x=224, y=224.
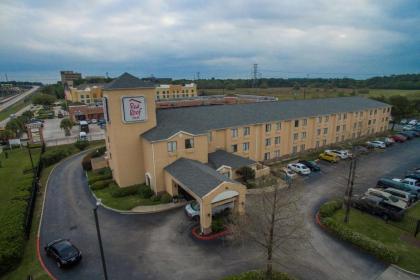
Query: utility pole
x=5, y=74
x=255, y=73
x=198, y=76
x=30, y=156
x=98, y=231
x=349, y=190
x=107, y=76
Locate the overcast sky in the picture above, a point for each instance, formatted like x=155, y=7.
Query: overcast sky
x=354, y=38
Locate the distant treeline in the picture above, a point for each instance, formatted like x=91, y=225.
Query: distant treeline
x=22, y=84
x=407, y=81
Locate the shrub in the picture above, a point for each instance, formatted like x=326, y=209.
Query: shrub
x=217, y=225
x=104, y=171
x=99, y=152
x=81, y=144
x=329, y=208
x=98, y=185
x=247, y=173
x=125, y=191
x=155, y=198
x=96, y=178
x=53, y=156
x=259, y=275
x=165, y=198
x=374, y=247
x=145, y=191
x=251, y=184
x=86, y=164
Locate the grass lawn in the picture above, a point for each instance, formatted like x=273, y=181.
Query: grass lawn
x=377, y=229
x=286, y=93
x=122, y=203
x=415, y=211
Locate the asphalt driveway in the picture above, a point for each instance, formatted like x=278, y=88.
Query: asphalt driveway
x=160, y=246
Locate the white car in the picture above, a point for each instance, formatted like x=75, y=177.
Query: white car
x=388, y=198
x=193, y=209
x=342, y=154
x=408, y=127
x=93, y=121
x=403, y=121
x=289, y=173
x=299, y=168
x=412, y=122
x=376, y=144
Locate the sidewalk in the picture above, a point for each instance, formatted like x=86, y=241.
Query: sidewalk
x=157, y=208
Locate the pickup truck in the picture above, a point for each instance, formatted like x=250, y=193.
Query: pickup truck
x=376, y=206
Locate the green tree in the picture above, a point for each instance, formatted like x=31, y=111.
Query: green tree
x=6, y=135
x=67, y=125
x=247, y=173
x=16, y=126
x=43, y=99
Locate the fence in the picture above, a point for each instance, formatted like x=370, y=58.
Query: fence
x=72, y=139
x=32, y=199
x=408, y=224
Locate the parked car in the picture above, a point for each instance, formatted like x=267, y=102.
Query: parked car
x=414, y=175
x=408, y=127
x=408, y=181
x=376, y=206
x=290, y=174
x=399, y=138
x=412, y=122
x=376, y=144
x=342, y=154
x=83, y=136
x=93, y=121
x=407, y=135
x=387, y=140
x=402, y=195
x=60, y=115
x=388, y=198
x=403, y=121
x=63, y=252
x=299, y=168
x=329, y=157
x=311, y=165
x=192, y=210
x=389, y=183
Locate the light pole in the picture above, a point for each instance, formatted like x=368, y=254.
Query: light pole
x=98, y=231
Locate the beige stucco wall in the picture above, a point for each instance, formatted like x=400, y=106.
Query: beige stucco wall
x=125, y=148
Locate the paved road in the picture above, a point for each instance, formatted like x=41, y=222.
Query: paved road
x=18, y=98
x=159, y=246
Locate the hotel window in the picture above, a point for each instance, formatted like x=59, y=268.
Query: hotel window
x=277, y=153
x=296, y=123
x=277, y=140
x=342, y=137
x=234, y=132
x=82, y=96
x=245, y=146
x=360, y=124
x=345, y=116
x=371, y=112
x=324, y=142
x=319, y=119
x=339, y=116
x=337, y=128
x=234, y=148
x=268, y=142
x=327, y=118
x=189, y=143
x=266, y=156
x=295, y=136
x=376, y=111
x=325, y=130
x=374, y=121
x=354, y=125
x=246, y=131
x=172, y=146
x=294, y=150
x=278, y=126
x=361, y=114
x=303, y=136
x=344, y=127
x=369, y=122
x=302, y=147
x=318, y=131
x=389, y=109
x=305, y=122
x=209, y=137
x=336, y=139
x=317, y=144
x=268, y=127
x=355, y=114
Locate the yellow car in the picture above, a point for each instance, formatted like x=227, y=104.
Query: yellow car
x=329, y=157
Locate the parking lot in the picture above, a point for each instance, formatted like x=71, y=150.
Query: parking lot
x=160, y=246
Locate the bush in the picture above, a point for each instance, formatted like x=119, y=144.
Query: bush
x=329, y=208
x=217, y=225
x=104, y=171
x=165, y=198
x=259, y=275
x=250, y=184
x=81, y=144
x=98, y=185
x=51, y=157
x=155, y=198
x=96, y=178
x=145, y=191
x=247, y=173
x=86, y=164
x=374, y=247
x=99, y=152
x=125, y=191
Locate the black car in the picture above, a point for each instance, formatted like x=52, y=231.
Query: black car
x=377, y=206
x=64, y=253
x=311, y=165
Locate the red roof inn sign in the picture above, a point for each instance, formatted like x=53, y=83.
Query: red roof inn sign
x=134, y=109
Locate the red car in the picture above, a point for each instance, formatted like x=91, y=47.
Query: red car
x=399, y=138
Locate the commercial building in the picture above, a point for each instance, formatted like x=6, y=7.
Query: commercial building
x=86, y=112
x=68, y=77
x=85, y=93
x=198, y=150
x=176, y=91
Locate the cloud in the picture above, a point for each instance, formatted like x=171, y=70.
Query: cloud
x=300, y=35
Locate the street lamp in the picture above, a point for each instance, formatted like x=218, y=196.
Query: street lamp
x=98, y=231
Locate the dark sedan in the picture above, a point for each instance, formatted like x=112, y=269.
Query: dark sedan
x=63, y=252
x=311, y=165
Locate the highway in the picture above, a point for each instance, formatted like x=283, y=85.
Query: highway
x=18, y=98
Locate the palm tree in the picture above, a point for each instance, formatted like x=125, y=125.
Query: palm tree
x=66, y=124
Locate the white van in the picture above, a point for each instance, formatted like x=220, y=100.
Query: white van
x=83, y=135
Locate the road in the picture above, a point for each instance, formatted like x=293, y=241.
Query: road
x=18, y=113
x=159, y=246
x=18, y=98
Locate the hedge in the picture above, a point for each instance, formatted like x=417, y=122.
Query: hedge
x=259, y=275
x=97, y=178
x=125, y=191
x=98, y=185
x=53, y=156
x=372, y=246
x=145, y=191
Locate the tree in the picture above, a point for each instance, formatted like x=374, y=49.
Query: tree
x=16, y=126
x=247, y=173
x=67, y=125
x=272, y=219
x=6, y=135
x=401, y=107
x=43, y=99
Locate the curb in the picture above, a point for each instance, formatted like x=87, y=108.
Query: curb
x=405, y=271
x=210, y=237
